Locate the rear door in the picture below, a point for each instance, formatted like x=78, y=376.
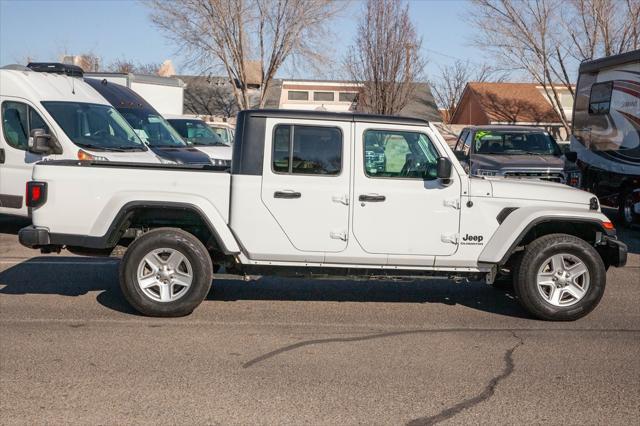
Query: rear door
x=305, y=183
x=16, y=163
x=400, y=206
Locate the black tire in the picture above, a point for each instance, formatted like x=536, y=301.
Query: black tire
x=505, y=281
x=536, y=253
x=187, y=245
x=626, y=215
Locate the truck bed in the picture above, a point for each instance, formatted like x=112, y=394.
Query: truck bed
x=84, y=197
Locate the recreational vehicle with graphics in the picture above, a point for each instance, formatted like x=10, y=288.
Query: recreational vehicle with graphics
x=606, y=131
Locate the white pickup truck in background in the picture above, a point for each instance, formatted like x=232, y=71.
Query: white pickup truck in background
x=319, y=193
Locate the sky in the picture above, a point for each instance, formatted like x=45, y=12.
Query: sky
x=114, y=29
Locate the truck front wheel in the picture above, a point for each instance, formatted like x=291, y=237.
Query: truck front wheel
x=560, y=278
x=166, y=272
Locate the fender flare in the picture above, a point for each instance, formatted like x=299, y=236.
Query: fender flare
x=215, y=223
x=517, y=224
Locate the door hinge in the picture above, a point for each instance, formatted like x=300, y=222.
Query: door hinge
x=338, y=236
x=453, y=202
x=342, y=199
x=450, y=238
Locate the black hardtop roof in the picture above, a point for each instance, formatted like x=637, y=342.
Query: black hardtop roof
x=610, y=61
x=334, y=116
x=120, y=96
x=506, y=127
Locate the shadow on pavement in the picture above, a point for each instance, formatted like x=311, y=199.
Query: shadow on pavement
x=78, y=276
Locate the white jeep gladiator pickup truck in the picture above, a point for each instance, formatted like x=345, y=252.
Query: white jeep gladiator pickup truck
x=325, y=194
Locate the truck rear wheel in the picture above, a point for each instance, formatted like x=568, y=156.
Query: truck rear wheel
x=560, y=278
x=626, y=211
x=166, y=272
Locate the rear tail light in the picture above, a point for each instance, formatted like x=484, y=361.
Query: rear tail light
x=36, y=194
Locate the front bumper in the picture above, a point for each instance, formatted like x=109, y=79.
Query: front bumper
x=34, y=237
x=613, y=251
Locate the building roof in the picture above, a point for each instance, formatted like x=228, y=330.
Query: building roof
x=510, y=102
x=141, y=78
x=422, y=105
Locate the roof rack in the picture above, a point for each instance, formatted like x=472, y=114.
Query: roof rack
x=56, y=68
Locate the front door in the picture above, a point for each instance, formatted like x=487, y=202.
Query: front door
x=400, y=206
x=305, y=182
x=16, y=163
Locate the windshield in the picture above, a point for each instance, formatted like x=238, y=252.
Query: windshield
x=152, y=129
x=224, y=133
x=92, y=126
x=514, y=143
x=197, y=132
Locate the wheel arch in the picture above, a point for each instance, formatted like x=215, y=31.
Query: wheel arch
x=154, y=214
x=520, y=229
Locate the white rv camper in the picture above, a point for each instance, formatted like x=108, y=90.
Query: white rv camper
x=606, y=131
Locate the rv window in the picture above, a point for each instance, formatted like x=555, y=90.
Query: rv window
x=600, y=98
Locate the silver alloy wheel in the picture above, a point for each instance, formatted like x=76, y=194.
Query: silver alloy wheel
x=563, y=280
x=164, y=275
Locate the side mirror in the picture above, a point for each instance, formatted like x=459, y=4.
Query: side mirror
x=444, y=168
x=571, y=156
x=40, y=142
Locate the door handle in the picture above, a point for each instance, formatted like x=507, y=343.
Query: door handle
x=287, y=194
x=372, y=198
x=1, y=155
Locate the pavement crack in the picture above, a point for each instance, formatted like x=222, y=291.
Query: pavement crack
x=329, y=340
x=486, y=393
x=298, y=345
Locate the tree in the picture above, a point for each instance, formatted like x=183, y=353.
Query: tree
x=249, y=39
x=449, y=86
x=123, y=65
x=209, y=96
x=385, y=59
x=547, y=38
x=601, y=27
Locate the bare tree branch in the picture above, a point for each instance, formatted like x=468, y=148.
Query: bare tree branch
x=249, y=39
x=385, y=59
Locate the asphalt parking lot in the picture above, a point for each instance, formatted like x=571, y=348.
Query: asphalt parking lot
x=307, y=352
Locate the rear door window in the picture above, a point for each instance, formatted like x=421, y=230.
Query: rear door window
x=307, y=150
